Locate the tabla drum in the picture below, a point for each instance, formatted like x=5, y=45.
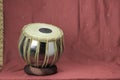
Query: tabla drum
x=41, y=44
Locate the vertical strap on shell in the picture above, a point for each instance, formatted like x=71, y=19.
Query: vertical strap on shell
x=45, y=54
x=47, y=44
x=56, y=51
x=61, y=45
x=24, y=49
x=47, y=61
x=20, y=41
x=37, y=54
x=55, y=54
x=28, y=52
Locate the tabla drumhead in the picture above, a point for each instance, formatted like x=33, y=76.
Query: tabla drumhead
x=43, y=31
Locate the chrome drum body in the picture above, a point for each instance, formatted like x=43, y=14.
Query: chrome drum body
x=40, y=52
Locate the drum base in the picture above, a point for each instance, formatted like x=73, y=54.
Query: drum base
x=40, y=71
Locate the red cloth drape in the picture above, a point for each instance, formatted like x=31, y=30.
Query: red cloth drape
x=92, y=36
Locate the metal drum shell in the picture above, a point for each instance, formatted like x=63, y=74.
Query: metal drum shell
x=33, y=54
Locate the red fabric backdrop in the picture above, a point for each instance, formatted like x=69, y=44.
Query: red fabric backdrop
x=92, y=36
